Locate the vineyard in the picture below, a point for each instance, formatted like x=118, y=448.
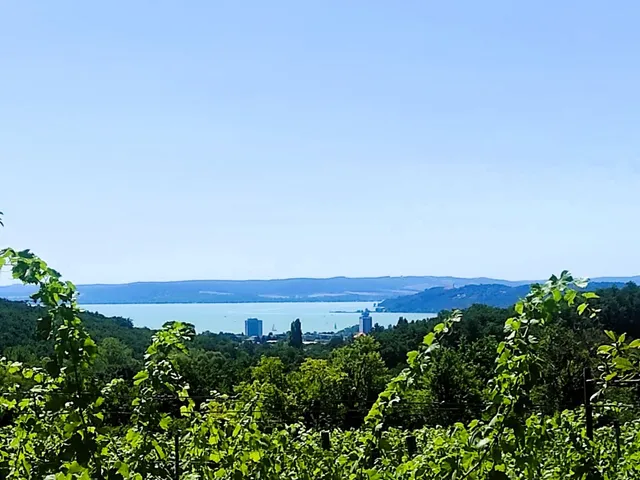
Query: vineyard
x=56, y=424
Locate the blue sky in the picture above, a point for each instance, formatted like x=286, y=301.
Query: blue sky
x=163, y=140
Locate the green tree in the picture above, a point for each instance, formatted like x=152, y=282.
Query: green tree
x=269, y=391
x=564, y=354
x=115, y=360
x=207, y=371
x=54, y=421
x=295, y=339
x=318, y=388
x=454, y=390
x=366, y=375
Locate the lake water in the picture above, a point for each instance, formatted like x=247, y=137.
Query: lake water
x=230, y=317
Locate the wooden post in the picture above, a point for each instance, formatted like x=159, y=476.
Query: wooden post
x=176, y=446
x=373, y=456
x=588, y=409
x=616, y=426
x=410, y=442
x=325, y=440
x=99, y=475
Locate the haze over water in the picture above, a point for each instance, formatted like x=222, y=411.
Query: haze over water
x=230, y=317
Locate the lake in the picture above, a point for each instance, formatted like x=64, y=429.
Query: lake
x=230, y=317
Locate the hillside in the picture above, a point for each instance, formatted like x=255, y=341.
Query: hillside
x=334, y=388
x=18, y=329
x=436, y=299
x=337, y=289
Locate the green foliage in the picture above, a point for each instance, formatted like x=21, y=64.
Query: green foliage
x=620, y=309
x=55, y=410
x=365, y=376
x=54, y=423
x=319, y=388
x=295, y=339
x=115, y=360
x=333, y=392
x=221, y=362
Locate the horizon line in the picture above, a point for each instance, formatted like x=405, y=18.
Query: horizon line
x=452, y=277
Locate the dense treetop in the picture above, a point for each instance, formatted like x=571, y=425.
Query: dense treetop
x=493, y=294
x=227, y=364
x=486, y=393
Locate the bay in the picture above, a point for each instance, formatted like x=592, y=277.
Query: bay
x=230, y=317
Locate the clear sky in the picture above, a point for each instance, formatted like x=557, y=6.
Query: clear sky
x=165, y=140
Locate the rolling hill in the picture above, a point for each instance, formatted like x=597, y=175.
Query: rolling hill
x=336, y=289
x=237, y=291
x=434, y=300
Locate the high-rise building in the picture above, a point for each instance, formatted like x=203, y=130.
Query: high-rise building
x=365, y=322
x=253, y=327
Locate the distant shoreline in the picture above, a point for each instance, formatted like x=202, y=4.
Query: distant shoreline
x=382, y=290
x=220, y=317
x=229, y=302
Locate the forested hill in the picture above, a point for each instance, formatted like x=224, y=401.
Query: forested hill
x=236, y=291
x=440, y=298
x=223, y=362
x=336, y=289
x=18, y=338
